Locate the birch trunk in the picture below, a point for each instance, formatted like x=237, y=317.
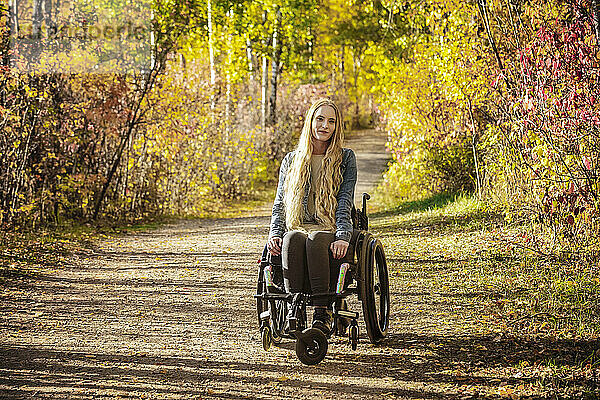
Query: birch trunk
x=275, y=71
x=474, y=148
x=249, y=58
x=36, y=19
x=263, y=91
x=13, y=15
x=343, y=66
x=47, y=12
x=228, y=76
x=355, y=72
x=211, y=57
x=13, y=30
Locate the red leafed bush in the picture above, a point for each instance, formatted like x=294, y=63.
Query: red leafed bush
x=552, y=121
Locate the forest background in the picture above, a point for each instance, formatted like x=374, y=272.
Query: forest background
x=498, y=99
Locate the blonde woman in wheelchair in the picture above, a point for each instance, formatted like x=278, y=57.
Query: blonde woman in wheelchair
x=311, y=225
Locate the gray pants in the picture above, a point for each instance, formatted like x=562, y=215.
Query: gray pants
x=309, y=266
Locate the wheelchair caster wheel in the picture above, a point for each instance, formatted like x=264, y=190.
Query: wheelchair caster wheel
x=311, y=346
x=267, y=337
x=353, y=336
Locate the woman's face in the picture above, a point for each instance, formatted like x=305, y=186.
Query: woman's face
x=323, y=123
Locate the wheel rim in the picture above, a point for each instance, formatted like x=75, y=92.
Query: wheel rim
x=377, y=293
x=266, y=338
x=312, y=348
x=374, y=288
x=381, y=289
x=278, y=310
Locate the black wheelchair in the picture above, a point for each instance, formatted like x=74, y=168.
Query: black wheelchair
x=366, y=277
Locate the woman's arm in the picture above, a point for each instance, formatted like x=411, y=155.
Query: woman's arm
x=278, y=227
x=345, y=197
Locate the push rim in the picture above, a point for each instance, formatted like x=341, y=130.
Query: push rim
x=381, y=289
x=374, y=288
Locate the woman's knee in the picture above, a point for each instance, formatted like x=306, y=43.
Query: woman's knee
x=294, y=260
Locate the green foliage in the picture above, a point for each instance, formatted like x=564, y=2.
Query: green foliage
x=429, y=95
x=517, y=123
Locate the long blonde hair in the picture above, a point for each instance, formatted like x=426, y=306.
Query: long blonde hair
x=330, y=176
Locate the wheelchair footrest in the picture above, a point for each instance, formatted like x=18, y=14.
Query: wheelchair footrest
x=347, y=314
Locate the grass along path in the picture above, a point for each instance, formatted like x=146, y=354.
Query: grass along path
x=493, y=320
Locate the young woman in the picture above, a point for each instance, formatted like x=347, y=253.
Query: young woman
x=311, y=226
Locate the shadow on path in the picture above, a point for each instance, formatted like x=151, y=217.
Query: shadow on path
x=426, y=359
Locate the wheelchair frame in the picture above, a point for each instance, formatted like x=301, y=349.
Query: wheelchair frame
x=367, y=278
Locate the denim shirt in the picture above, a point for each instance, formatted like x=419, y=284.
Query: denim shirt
x=345, y=198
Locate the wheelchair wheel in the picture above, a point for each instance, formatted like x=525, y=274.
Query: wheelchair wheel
x=266, y=336
x=374, y=288
x=261, y=305
x=353, y=336
x=311, y=346
x=277, y=310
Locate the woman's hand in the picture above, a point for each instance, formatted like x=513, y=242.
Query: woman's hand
x=339, y=248
x=274, y=246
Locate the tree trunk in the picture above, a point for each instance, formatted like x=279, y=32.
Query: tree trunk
x=152, y=44
x=311, y=50
x=13, y=14
x=13, y=31
x=355, y=72
x=342, y=64
x=36, y=19
x=56, y=7
x=132, y=123
x=211, y=57
x=36, y=28
x=265, y=74
x=250, y=64
x=228, y=76
x=275, y=71
x=47, y=12
x=22, y=157
x=486, y=22
x=263, y=91
x=474, y=148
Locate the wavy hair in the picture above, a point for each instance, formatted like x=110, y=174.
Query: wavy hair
x=329, y=179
